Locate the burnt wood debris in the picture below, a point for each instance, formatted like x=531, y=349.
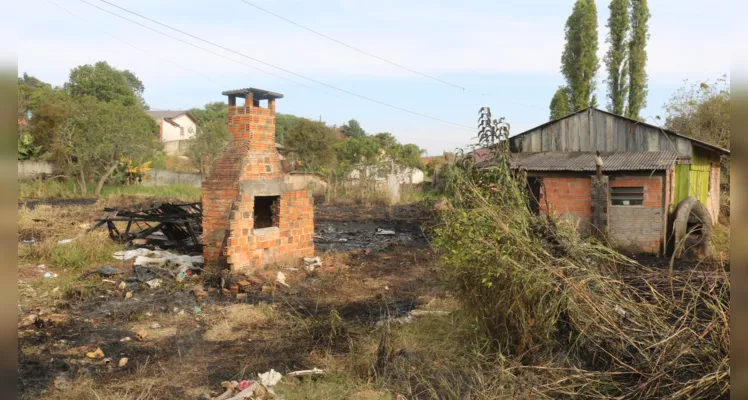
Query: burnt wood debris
x=168, y=226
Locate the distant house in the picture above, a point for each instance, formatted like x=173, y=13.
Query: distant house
x=174, y=128
x=646, y=172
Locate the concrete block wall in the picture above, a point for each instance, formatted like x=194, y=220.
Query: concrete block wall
x=28, y=169
x=639, y=228
x=568, y=198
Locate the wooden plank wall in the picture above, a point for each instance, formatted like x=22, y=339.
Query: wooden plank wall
x=598, y=131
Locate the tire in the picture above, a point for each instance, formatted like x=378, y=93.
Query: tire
x=692, y=230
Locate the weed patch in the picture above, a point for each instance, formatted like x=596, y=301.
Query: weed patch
x=537, y=291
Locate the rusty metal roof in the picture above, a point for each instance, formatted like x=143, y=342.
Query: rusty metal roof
x=585, y=161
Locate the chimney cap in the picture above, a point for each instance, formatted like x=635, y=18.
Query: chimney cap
x=257, y=94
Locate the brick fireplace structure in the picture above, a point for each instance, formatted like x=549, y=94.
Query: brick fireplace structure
x=252, y=215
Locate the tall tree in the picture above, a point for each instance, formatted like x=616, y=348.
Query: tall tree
x=210, y=140
x=312, y=143
x=94, y=137
x=638, y=58
x=106, y=83
x=615, y=60
x=353, y=129
x=32, y=92
x=579, y=62
x=701, y=111
x=217, y=110
x=283, y=123
x=560, y=103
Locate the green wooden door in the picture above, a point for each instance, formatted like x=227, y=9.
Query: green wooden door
x=692, y=179
x=698, y=185
x=682, y=174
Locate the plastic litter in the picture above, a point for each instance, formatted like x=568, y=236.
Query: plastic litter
x=381, y=231
x=154, y=283
x=312, y=263
x=95, y=354
x=306, y=372
x=270, y=378
x=245, y=384
x=180, y=266
x=281, y=278
x=108, y=270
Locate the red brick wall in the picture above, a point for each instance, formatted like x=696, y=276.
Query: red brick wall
x=293, y=238
x=567, y=198
x=639, y=228
x=228, y=214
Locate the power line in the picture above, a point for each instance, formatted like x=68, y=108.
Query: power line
x=130, y=44
x=193, y=45
x=370, y=54
x=354, y=48
x=276, y=67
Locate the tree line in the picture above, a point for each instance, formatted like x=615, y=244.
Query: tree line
x=317, y=147
x=93, y=128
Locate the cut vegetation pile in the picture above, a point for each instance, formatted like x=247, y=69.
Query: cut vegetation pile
x=566, y=317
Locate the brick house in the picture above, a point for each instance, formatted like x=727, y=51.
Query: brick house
x=647, y=172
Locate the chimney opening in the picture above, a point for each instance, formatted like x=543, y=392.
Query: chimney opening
x=266, y=211
x=240, y=101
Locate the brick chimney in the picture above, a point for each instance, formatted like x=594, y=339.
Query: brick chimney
x=251, y=214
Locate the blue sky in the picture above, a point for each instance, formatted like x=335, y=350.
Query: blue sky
x=507, y=53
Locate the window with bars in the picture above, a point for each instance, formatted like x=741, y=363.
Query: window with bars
x=627, y=196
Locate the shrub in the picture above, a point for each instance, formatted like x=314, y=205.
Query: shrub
x=544, y=296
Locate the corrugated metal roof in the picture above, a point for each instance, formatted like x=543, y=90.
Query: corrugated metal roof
x=585, y=162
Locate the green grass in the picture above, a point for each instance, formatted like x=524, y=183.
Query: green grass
x=41, y=189
x=182, y=192
x=83, y=252
x=426, y=195
x=721, y=242
x=46, y=189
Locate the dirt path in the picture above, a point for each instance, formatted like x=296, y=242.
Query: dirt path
x=192, y=346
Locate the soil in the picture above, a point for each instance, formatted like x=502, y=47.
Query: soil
x=362, y=280
x=341, y=228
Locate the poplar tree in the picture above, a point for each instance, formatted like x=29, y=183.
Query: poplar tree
x=560, y=103
x=579, y=62
x=638, y=58
x=615, y=60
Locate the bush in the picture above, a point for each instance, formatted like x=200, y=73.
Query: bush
x=554, y=302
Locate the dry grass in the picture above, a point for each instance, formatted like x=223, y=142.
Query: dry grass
x=577, y=318
x=237, y=321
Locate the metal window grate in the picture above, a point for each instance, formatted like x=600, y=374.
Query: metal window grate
x=627, y=196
